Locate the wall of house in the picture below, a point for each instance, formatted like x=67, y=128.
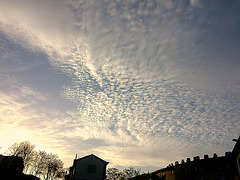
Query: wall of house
x=169, y=174
x=85, y=170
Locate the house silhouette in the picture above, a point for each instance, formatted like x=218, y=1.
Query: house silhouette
x=89, y=167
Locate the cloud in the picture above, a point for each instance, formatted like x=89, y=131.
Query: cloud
x=40, y=25
x=143, y=40
x=15, y=58
x=178, y=44
x=23, y=117
x=145, y=113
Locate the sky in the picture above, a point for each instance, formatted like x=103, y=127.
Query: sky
x=137, y=83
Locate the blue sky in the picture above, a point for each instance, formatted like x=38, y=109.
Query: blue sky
x=138, y=83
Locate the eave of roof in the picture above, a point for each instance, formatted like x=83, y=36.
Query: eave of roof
x=90, y=156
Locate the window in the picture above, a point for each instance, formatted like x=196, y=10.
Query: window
x=91, y=168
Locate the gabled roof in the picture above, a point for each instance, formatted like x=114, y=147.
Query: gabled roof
x=91, y=155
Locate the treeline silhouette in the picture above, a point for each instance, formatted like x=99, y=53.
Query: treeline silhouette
x=37, y=163
x=128, y=173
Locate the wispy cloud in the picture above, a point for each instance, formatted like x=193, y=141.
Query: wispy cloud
x=40, y=25
x=23, y=117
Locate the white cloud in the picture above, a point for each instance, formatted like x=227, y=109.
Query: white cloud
x=175, y=46
x=40, y=25
x=23, y=118
x=146, y=40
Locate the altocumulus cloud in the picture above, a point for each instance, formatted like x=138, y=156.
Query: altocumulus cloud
x=148, y=78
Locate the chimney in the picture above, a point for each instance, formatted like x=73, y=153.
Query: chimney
x=205, y=156
x=196, y=158
x=176, y=163
x=182, y=162
x=188, y=160
x=215, y=155
x=227, y=153
x=76, y=156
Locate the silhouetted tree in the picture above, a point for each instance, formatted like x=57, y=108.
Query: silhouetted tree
x=54, y=167
x=25, y=150
x=47, y=165
x=131, y=172
x=39, y=163
x=113, y=174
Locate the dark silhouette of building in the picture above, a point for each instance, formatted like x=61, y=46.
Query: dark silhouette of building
x=12, y=163
x=201, y=169
x=165, y=173
x=236, y=156
x=11, y=167
x=209, y=168
x=206, y=168
x=89, y=167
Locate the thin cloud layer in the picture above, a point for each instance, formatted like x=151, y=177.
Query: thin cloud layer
x=152, y=40
x=147, y=78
